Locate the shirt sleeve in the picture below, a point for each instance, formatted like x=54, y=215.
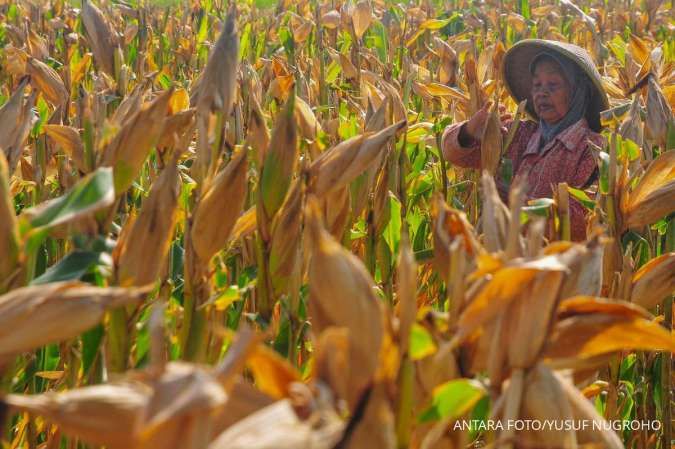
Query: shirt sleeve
x=457, y=154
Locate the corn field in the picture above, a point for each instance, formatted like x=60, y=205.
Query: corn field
x=230, y=225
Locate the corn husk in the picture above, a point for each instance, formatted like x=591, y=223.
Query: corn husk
x=144, y=250
x=68, y=138
x=31, y=317
x=183, y=407
x=243, y=399
x=407, y=293
x=101, y=36
x=102, y=414
x=331, y=362
x=491, y=143
x=654, y=281
x=377, y=426
x=341, y=294
x=128, y=150
x=659, y=114
x=9, y=230
x=331, y=19
x=544, y=399
x=277, y=426
x=362, y=17
x=654, y=195
x=285, y=247
x=277, y=170
x=308, y=125
x=219, y=207
x=16, y=120
x=173, y=410
x=47, y=81
x=496, y=216
x=450, y=224
x=176, y=127
x=258, y=135
x=217, y=87
x=531, y=317
x=340, y=165
x=504, y=287
x=631, y=127
x=584, y=410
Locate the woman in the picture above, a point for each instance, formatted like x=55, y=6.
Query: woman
x=565, y=96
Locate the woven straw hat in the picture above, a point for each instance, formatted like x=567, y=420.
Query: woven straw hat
x=518, y=79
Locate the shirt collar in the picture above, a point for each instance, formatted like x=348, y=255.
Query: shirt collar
x=570, y=138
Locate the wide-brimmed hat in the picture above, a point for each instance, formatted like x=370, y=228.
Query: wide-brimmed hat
x=518, y=79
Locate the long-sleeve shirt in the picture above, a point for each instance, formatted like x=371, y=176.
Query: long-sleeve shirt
x=566, y=158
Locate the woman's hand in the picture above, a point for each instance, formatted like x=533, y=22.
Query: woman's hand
x=474, y=127
x=476, y=124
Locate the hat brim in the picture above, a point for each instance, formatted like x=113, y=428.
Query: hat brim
x=518, y=80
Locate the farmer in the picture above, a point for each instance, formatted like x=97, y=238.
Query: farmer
x=565, y=96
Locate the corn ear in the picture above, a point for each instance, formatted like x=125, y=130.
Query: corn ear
x=68, y=138
x=217, y=87
x=219, y=207
x=258, y=135
x=9, y=230
x=146, y=246
x=277, y=170
x=659, y=114
x=111, y=415
x=340, y=165
x=47, y=81
x=16, y=120
x=277, y=426
x=491, y=143
x=544, y=399
x=496, y=216
x=284, y=255
x=128, y=150
x=341, y=294
x=407, y=293
x=101, y=36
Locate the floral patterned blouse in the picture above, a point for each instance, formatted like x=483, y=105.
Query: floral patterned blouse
x=566, y=158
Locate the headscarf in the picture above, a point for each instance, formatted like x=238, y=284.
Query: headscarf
x=581, y=97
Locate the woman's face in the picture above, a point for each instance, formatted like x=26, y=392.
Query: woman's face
x=550, y=92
